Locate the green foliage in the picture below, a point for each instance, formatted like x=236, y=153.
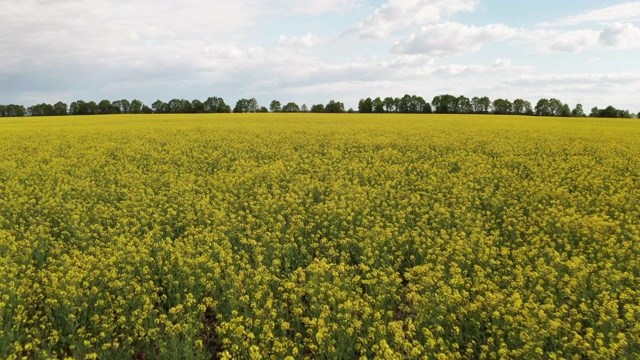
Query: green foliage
x=610, y=112
x=275, y=106
x=502, y=107
x=317, y=108
x=578, y=111
x=291, y=108
x=334, y=107
x=444, y=104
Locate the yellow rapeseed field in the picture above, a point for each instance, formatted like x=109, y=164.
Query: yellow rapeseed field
x=273, y=236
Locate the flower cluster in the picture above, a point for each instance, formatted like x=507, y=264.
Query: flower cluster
x=293, y=236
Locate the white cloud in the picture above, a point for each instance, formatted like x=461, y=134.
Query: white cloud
x=399, y=14
x=306, y=41
x=629, y=11
x=94, y=49
x=590, y=89
x=410, y=61
x=500, y=66
x=223, y=52
x=452, y=39
x=96, y=31
x=621, y=36
x=573, y=79
x=318, y=7
x=573, y=41
x=617, y=36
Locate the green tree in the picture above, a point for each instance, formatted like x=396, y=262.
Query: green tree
x=17, y=110
x=291, y=107
x=519, y=106
x=502, y=106
x=74, y=108
x=419, y=105
x=439, y=105
x=216, y=105
x=185, y=106
x=242, y=106
x=334, y=107
x=105, y=107
x=197, y=106
x=60, y=108
x=609, y=112
x=481, y=105
x=463, y=105
x=389, y=104
x=378, y=105
x=253, y=105
x=246, y=106
x=34, y=110
x=159, y=107
x=275, y=106
x=444, y=104
x=123, y=106
x=405, y=104
x=475, y=104
x=542, y=108
x=135, y=107
x=222, y=107
x=13, y=110
x=176, y=106
x=40, y=110
x=317, y=108
x=555, y=107
x=90, y=108
x=365, y=105
x=578, y=111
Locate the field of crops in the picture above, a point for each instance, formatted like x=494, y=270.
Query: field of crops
x=319, y=236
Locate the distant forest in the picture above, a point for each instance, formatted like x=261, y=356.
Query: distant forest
x=408, y=104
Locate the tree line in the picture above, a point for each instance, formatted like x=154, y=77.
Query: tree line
x=449, y=104
x=413, y=104
x=251, y=105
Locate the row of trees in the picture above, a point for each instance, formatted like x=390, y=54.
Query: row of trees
x=406, y=104
x=449, y=104
x=180, y=106
x=81, y=107
x=611, y=112
x=251, y=105
x=443, y=104
x=12, y=110
x=104, y=107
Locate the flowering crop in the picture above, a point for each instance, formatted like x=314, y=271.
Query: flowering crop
x=271, y=236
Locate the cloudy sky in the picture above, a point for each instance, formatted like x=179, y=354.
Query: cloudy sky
x=580, y=51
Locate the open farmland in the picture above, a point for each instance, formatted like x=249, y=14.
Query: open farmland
x=319, y=236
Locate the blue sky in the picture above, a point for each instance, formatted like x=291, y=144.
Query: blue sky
x=310, y=52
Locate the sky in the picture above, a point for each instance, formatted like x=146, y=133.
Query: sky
x=309, y=52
